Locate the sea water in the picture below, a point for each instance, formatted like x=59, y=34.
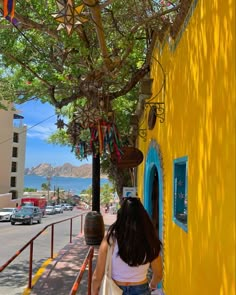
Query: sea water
x=69, y=184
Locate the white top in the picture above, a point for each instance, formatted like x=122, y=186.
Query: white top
x=122, y=272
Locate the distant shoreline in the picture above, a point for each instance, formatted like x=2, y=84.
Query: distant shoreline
x=72, y=184
x=101, y=176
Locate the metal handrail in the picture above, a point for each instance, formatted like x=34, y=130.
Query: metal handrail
x=31, y=244
x=88, y=260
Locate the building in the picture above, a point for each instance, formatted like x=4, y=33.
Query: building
x=187, y=177
x=12, y=156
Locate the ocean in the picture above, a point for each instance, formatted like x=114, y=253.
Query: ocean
x=69, y=184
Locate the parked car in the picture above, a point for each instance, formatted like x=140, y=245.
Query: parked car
x=50, y=210
x=68, y=207
x=59, y=208
x=27, y=215
x=6, y=213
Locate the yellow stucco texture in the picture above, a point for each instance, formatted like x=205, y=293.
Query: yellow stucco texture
x=200, y=124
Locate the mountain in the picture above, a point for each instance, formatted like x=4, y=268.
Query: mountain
x=66, y=170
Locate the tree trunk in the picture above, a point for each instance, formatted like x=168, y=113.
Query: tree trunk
x=96, y=183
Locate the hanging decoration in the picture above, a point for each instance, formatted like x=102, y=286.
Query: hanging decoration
x=104, y=138
x=87, y=115
x=102, y=135
x=69, y=15
x=130, y=157
x=9, y=11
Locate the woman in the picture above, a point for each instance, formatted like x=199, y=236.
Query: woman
x=135, y=246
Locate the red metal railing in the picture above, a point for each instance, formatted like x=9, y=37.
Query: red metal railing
x=31, y=244
x=88, y=260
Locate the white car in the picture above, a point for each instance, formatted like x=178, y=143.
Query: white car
x=6, y=213
x=50, y=210
x=68, y=207
x=59, y=209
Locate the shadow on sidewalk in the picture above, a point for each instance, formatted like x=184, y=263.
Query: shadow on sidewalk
x=60, y=274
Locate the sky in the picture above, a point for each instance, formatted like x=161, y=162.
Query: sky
x=40, y=120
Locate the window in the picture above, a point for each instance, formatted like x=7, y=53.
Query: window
x=14, y=152
x=13, y=167
x=15, y=137
x=14, y=194
x=180, y=192
x=13, y=181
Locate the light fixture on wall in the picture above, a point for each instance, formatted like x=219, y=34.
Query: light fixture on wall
x=157, y=110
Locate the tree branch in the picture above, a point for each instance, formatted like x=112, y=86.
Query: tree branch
x=154, y=16
x=26, y=22
x=137, y=76
x=26, y=67
x=94, y=8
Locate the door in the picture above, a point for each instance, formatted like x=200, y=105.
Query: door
x=155, y=200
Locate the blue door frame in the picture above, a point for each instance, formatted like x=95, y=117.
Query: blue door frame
x=153, y=163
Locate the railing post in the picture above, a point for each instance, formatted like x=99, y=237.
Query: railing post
x=90, y=271
x=30, y=265
x=71, y=230
x=82, y=219
x=52, y=240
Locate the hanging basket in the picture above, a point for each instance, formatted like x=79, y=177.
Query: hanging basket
x=129, y=157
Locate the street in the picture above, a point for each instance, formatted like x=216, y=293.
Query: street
x=14, y=279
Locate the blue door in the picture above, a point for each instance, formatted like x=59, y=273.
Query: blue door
x=153, y=185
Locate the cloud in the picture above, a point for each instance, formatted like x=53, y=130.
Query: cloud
x=40, y=132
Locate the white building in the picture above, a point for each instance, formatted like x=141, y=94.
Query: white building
x=12, y=157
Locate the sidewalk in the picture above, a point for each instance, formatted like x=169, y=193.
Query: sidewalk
x=59, y=276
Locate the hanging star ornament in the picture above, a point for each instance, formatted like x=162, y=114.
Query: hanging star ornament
x=69, y=15
x=87, y=116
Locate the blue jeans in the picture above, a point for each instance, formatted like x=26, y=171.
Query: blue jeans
x=136, y=290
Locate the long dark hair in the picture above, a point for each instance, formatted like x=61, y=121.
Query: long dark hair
x=135, y=233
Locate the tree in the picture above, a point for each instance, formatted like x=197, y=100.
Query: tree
x=29, y=189
x=107, y=192
x=86, y=195
x=91, y=64
x=45, y=186
x=104, y=56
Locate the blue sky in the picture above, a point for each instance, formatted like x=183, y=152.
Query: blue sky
x=37, y=149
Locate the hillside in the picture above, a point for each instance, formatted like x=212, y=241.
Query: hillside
x=66, y=170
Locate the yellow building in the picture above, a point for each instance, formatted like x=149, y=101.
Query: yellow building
x=187, y=178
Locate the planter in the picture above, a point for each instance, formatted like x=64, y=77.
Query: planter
x=94, y=228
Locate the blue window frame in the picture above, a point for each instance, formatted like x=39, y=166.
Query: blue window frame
x=180, y=195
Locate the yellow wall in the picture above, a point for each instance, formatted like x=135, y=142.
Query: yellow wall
x=200, y=124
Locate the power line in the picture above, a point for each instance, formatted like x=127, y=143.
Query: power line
x=23, y=131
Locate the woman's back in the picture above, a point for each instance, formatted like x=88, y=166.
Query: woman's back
x=136, y=246
x=122, y=272
x=135, y=234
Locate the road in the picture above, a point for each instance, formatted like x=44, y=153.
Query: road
x=14, y=279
